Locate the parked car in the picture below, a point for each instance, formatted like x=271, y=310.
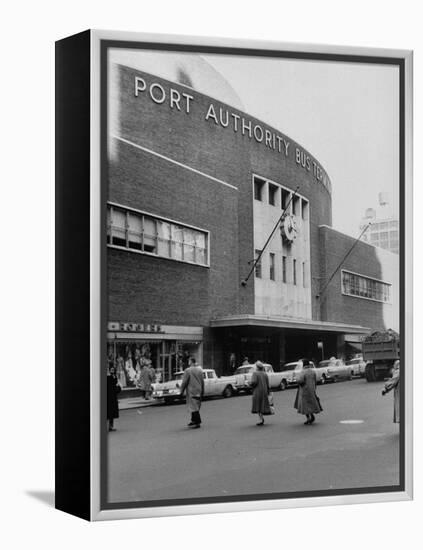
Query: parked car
x=289, y=370
x=357, y=366
x=277, y=380
x=170, y=391
x=323, y=371
x=297, y=368
x=337, y=370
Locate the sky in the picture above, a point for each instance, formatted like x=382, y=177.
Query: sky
x=345, y=114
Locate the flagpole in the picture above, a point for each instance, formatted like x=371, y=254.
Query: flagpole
x=343, y=260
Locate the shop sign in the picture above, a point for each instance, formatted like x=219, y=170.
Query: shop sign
x=114, y=326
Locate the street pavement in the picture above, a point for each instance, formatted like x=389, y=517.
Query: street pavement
x=153, y=455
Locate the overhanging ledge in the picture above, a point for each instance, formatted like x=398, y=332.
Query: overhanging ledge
x=284, y=322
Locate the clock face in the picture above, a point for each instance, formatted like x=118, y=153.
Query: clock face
x=289, y=228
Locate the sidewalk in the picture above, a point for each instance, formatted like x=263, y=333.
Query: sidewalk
x=132, y=402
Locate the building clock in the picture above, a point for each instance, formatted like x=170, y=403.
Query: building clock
x=289, y=229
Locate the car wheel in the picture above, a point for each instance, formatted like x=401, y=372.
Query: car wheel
x=323, y=379
x=227, y=392
x=283, y=385
x=351, y=375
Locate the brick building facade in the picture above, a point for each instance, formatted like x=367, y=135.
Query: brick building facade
x=194, y=185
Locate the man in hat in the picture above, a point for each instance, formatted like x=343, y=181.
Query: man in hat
x=193, y=383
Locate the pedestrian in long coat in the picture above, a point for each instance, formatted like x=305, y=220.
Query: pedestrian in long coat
x=394, y=384
x=261, y=389
x=193, y=384
x=306, y=400
x=113, y=389
x=146, y=378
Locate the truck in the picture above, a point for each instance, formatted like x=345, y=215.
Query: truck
x=380, y=350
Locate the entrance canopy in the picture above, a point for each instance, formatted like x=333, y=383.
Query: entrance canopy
x=287, y=323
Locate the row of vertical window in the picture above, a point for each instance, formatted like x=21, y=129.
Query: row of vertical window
x=290, y=268
x=365, y=287
x=280, y=197
x=383, y=226
x=145, y=233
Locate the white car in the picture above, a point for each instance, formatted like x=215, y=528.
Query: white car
x=169, y=391
x=289, y=370
x=244, y=373
x=225, y=386
x=338, y=370
x=321, y=373
x=357, y=366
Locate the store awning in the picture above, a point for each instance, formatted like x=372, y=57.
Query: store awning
x=287, y=323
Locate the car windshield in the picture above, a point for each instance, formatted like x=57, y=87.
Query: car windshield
x=289, y=366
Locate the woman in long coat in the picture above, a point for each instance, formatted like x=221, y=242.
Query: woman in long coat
x=394, y=384
x=113, y=389
x=261, y=389
x=306, y=400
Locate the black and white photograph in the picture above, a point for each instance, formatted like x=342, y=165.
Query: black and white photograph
x=253, y=233
x=210, y=289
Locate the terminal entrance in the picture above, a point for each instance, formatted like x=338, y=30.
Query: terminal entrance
x=276, y=346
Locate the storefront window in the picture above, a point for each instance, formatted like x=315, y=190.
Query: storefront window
x=166, y=357
x=128, y=358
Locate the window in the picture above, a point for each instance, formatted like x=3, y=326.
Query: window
x=272, y=267
x=365, y=287
x=273, y=189
x=258, y=189
x=135, y=231
x=164, y=239
x=296, y=203
x=304, y=275
x=304, y=209
x=284, y=269
x=285, y=198
x=258, y=265
x=145, y=233
x=189, y=244
x=294, y=271
x=118, y=227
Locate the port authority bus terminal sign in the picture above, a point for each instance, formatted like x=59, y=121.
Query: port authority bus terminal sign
x=183, y=102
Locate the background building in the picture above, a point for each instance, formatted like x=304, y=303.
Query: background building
x=384, y=227
x=195, y=187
